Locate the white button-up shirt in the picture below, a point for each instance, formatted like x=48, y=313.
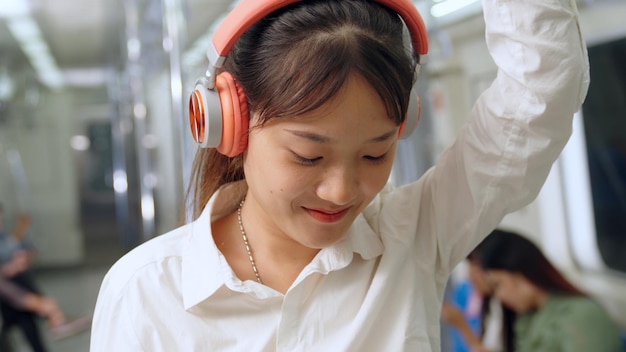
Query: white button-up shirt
x=380, y=288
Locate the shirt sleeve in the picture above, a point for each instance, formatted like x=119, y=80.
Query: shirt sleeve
x=112, y=327
x=515, y=131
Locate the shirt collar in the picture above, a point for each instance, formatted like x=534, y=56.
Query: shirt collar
x=364, y=239
x=205, y=270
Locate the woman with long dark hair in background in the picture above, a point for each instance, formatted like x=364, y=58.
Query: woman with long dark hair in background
x=553, y=314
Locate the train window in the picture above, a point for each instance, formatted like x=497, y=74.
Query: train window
x=604, y=124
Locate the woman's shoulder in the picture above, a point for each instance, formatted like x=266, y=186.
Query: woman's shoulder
x=575, y=305
x=150, y=254
x=586, y=325
x=580, y=310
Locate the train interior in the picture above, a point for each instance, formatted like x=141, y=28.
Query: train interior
x=94, y=144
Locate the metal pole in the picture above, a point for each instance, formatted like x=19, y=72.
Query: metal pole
x=121, y=127
x=139, y=113
x=172, y=38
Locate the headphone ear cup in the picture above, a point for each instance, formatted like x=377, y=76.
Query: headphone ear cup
x=412, y=116
x=205, y=116
x=197, y=123
x=235, y=117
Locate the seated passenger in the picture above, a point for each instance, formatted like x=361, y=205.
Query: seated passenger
x=553, y=315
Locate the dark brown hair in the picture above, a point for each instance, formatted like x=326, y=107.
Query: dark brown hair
x=505, y=250
x=509, y=251
x=299, y=57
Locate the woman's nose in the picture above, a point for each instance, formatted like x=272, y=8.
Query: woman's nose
x=339, y=185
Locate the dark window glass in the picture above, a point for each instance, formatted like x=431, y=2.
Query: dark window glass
x=604, y=114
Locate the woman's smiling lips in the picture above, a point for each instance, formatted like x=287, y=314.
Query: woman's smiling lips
x=327, y=216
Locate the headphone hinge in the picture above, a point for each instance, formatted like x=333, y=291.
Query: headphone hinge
x=215, y=62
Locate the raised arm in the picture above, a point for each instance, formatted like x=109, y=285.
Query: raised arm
x=516, y=129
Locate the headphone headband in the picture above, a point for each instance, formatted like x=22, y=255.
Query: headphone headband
x=249, y=12
x=218, y=107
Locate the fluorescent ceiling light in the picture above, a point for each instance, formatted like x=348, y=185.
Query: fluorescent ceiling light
x=12, y=8
x=51, y=78
x=24, y=28
x=86, y=77
x=43, y=61
x=26, y=32
x=449, y=6
x=35, y=48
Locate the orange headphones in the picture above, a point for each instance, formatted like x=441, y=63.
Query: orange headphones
x=218, y=108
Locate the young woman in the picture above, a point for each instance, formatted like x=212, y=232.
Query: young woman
x=298, y=243
x=553, y=314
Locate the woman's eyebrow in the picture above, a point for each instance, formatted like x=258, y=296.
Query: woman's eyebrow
x=325, y=139
x=383, y=137
x=310, y=136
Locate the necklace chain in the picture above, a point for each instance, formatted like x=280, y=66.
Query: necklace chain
x=245, y=242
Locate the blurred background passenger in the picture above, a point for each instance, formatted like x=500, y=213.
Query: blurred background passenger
x=553, y=315
x=483, y=323
x=36, y=305
x=22, y=304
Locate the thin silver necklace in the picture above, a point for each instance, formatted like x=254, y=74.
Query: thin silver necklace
x=245, y=242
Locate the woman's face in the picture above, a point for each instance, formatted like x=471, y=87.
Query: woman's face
x=311, y=175
x=478, y=278
x=513, y=290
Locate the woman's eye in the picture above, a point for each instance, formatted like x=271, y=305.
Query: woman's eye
x=376, y=159
x=306, y=161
